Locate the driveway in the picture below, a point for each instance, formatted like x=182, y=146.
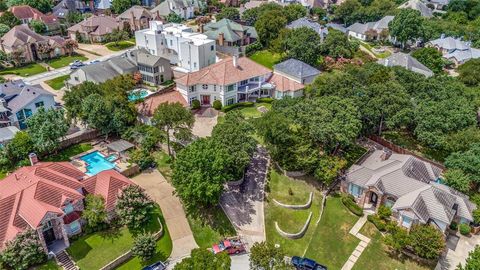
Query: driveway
x=244, y=204
x=161, y=192
x=458, y=249
x=205, y=121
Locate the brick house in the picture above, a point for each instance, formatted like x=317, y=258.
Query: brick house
x=26, y=14
x=410, y=187
x=48, y=197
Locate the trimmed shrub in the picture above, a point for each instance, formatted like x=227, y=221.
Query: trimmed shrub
x=384, y=212
x=217, y=105
x=144, y=246
x=379, y=223
x=464, y=229
x=265, y=100
x=195, y=105
x=349, y=202
x=237, y=105
x=454, y=226
x=252, y=48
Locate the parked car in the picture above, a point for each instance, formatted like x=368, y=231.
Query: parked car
x=94, y=61
x=76, y=64
x=156, y=266
x=306, y=264
x=231, y=245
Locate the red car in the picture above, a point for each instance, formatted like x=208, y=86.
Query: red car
x=231, y=246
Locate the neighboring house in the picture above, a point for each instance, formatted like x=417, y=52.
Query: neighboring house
x=375, y=29
x=230, y=34
x=406, y=61
x=48, y=197
x=31, y=46
x=408, y=186
x=337, y=27
x=290, y=77
x=230, y=3
x=7, y=133
x=19, y=101
x=454, y=49
x=137, y=17
x=62, y=9
x=183, y=8
x=306, y=3
x=321, y=30
x=418, y=5
x=178, y=43
x=103, y=5
x=231, y=80
x=154, y=69
x=26, y=14
x=147, y=107
x=438, y=4
x=94, y=28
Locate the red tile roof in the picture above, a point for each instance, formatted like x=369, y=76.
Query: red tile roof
x=148, y=106
x=284, y=84
x=29, y=193
x=224, y=72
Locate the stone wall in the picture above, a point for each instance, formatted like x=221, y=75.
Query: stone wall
x=296, y=206
x=297, y=235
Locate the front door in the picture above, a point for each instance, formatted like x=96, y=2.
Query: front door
x=373, y=198
x=49, y=236
x=205, y=100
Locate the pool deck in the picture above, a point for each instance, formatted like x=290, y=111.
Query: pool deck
x=120, y=165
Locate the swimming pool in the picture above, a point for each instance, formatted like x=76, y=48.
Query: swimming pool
x=96, y=162
x=138, y=94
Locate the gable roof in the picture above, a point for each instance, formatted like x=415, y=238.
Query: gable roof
x=20, y=35
x=450, y=43
x=27, y=95
x=26, y=12
x=148, y=106
x=284, y=84
x=296, y=68
x=96, y=25
x=135, y=12
x=406, y=61
x=464, y=55
x=418, y=5
x=378, y=26
x=229, y=30
x=224, y=72
x=305, y=22
x=31, y=192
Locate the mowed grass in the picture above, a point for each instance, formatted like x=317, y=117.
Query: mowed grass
x=332, y=244
x=67, y=153
x=376, y=256
x=266, y=58
x=253, y=112
x=24, y=71
x=93, y=251
x=49, y=265
x=164, y=162
x=58, y=83
x=121, y=45
x=209, y=226
x=289, y=220
x=64, y=61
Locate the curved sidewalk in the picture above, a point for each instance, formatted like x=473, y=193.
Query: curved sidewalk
x=161, y=192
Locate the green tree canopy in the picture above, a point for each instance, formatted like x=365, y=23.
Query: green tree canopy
x=19, y=147
x=9, y=19
x=38, y=26
x=94, y=212
x=265, y=256
x=230, y=13
x=144, y=246
x=201, y=258
x=302, y=44
x=473, y=260
x=407, y=26
x=46, y=128
x=294, y=12
x=431, y=58
x=250, y=16
x=119, y=6
x=457, y=179
x=469, y=73
x=24, y=251
x=426, y=241
x=174, y=18
x=134, y=207
x=467, y=161
x=337, y=45
x=268, y=26
x=4, y=29
x=44, y=6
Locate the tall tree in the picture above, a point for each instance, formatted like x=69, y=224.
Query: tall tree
x=337, y=45
x=201, y=258
x=294, y=12
x=9, y=19
x=175, y=120
x=469, y=73
x=24, y=251
x=473, y=260
x=346, y=10
x=134, y=207
x=19, y=147
x=468, y=162
x=303, y=44
x=119, y=6
x=44, y=6
x=96, y=113
x=431, y=58
x=38, y=26
x=4, y=29
x=268, y=26
x=230, y=13
x=458, y=180
x=426, y=241
x=265, y=256
x=144, y=246
x=94, y=212
x=407, y=26
x=46, y=128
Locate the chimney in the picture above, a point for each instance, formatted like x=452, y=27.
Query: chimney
x=33, y=158
x=386, y=154
x=134, y=26
x=158, y=15
x=221, y=39
x=200, y=27
x=235, y=60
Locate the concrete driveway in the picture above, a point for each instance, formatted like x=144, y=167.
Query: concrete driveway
x=161, y=192
x=458, y=249
x=244, y=204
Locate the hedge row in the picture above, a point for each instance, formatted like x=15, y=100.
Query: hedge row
x=265, y=100
x=379, y=223
x=350, y=203
x=237, y=105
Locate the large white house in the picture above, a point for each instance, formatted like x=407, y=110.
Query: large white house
x=178, y=43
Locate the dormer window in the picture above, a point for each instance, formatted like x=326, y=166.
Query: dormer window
x=68, y=208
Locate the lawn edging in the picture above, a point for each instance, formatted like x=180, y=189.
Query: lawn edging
x=128, y=255
x=297, y=235
x=296, y=206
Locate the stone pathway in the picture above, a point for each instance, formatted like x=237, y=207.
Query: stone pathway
x=360, y=247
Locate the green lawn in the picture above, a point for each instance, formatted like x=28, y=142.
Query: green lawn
x=95, y=250
x=24, y=71
x=266, y=58
x=49, y=265
x=210, y=226
x=164, y=161
x=375, y=256
x=58, y=83
x=332, y=243
x=369, y=47
x=67, y=153
x=121, y=45
x=65, y=60
x=253, y=112
x=290, y=220
x=406, y=140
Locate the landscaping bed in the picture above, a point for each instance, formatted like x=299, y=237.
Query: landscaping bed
x=121, y=45
x=64, y=61
x=57, y=83
x=407, y=141
x=266, y=58
x=295, y=192
x=24, y=71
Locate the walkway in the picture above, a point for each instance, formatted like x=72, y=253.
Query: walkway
x=361, y=246
x=161, y=192
x=457, y=252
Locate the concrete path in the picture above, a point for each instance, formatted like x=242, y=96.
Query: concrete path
x=161, y=192
x=361, y=246
x=244, y=204
x=457, y=252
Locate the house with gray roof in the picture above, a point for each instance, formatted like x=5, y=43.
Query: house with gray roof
x=19, y=101
x=410, y=187
x=455, y=49
x=419, y=5
x=183, y=8
x=364, y=31
x=406, y=61
x=305, y=22
x=290, y=77
x=228, y=33
x=154, y=69
x=337, y=27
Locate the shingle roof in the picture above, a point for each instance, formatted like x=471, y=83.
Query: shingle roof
x=96, y=25
x=464, y=55
x=418, y=5
x=229, y=29
x=284, y=84
x=450, y=43
x=27, y=94
x=305, y=22
x=406, y=61
x=25, y=12
x=137, y=12
x=378, y=26
x=296, y=68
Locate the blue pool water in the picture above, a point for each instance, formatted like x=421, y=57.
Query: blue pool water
x=137, y=94
x=96, y=163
